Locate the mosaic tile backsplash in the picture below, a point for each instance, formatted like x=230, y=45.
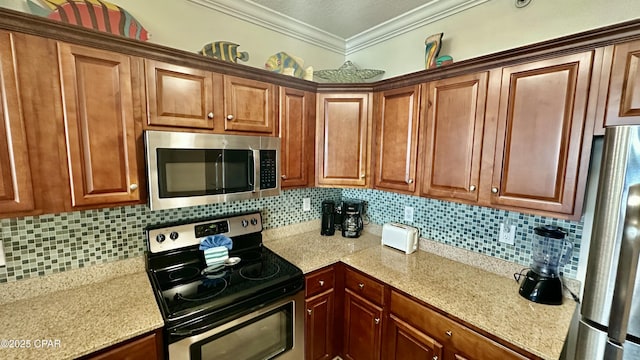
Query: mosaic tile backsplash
x=47, y=244
x=473, y=228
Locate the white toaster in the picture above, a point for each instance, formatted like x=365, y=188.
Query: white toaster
x=400, y=236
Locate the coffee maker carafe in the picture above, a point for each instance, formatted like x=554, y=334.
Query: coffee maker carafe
x=352, y=224
x=551, y=251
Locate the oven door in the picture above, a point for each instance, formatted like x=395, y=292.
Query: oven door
x=274, y=331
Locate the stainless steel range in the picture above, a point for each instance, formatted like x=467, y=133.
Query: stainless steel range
x=252, y=309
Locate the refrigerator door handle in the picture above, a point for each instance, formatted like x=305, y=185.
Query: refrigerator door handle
x=625, y=276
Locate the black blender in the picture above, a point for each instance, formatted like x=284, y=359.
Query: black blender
x=551, y=250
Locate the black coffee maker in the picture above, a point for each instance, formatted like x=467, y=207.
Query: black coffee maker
x=328, y=221
x=352, y=211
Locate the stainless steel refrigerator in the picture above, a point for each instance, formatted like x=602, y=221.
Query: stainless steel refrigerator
x=610, y=314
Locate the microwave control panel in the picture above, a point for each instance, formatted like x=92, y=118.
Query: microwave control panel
x=268, y=169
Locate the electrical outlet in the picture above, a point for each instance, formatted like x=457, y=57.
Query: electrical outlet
x=507, y=234
x=306, y=204
x=2, y=259
x=408, y=213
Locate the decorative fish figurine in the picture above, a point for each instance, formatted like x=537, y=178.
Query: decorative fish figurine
x=286, y=64
x=432, y=48
x=94, y=14
x=225, y=51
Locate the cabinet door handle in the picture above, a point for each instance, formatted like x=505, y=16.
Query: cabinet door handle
x=494, y=190
x=435, y=357
x=449, y=333
x=210, y=115
x=472, y=188
x=361, y=286
x=284, y=177
x=230, y=117
x=309, y=311
x=409, y=181
x=362, y=176
x=376, y=320
x=321, y=282
x=133, y=187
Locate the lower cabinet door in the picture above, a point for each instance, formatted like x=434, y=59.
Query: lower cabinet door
x=319, y=326
x=404, y=342
x=363, y=328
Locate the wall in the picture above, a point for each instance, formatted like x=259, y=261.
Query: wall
x=494, y=26
x=47, y=244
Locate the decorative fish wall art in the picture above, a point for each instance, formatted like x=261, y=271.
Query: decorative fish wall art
x=225, y=51
x=93, y=14
x=286, y=64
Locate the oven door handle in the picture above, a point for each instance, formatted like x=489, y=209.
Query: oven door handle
x=191, y=332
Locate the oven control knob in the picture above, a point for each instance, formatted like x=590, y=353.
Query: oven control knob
x=160, y=238
x=254, y=221
x=173, y=235
x=245, y=223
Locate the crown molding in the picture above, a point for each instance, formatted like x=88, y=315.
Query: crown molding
x=271, y=20
x=259, y=15
x=428, y=13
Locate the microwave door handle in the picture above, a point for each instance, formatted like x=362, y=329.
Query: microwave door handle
x=256, y=171
x=625, y=276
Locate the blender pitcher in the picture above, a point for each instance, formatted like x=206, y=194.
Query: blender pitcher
x=551, y=250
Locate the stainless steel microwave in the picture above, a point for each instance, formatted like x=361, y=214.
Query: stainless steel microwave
x=188, y=169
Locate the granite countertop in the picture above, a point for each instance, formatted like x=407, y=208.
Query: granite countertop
x=479, y=298
x=70, y=323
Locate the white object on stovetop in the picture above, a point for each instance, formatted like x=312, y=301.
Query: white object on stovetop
x=401, y=237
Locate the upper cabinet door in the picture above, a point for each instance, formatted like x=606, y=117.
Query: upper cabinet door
x=16, y=188
x=99, y=125
x=539, y=149
x=297, y=129
x=623, y=103
x=180, y=96
x=396, y=121
x=343, y=131
x=250, y=106
x=453, y=133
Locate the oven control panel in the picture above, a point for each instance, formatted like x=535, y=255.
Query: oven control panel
x=172, y=237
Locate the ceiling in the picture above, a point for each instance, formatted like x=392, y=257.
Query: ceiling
x=342, y=26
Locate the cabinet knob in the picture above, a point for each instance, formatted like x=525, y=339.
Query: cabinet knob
x=362, y=176
x=133, y=187
x=494, y=190
x=284, y=177
x=361, y=286
x=210, y=115
x=230, y=117
x=449, y=333
x=309, y=311
x=409, y=181
x=435, y=357
x=376, y=320
x=472, y=188
x=321, y=282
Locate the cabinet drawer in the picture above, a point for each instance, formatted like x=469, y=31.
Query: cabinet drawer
x=456, y=337
x=319, y=281
x=364, y=286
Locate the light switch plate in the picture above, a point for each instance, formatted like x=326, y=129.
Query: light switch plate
x=306, y=204
x=408, y=213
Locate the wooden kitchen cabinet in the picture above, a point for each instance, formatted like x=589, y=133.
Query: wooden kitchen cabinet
x=543, y=138
x=343, y=135
x=99, y=125
x=452, y=133
x=320, y=296
x=144, y=347
x=184, y=97
x=297, y=134
x=426, y=331
x=396, y=124
x=622, y=71
x=16, y=187
x=363, y=316
x=404, y=342
x=250, y=106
